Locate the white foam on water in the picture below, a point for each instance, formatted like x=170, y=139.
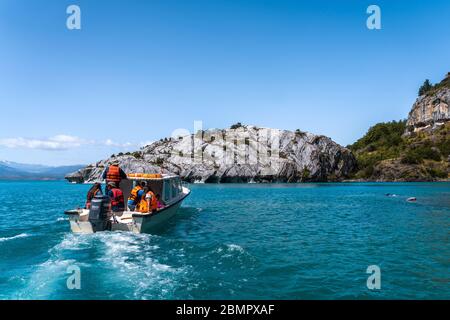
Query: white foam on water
x=72, y=242
x=130, y=267
x=22, y=235
x=46, y=276
x=235, y=247
x=229, y=250
x=42, y=283
x=133, y=259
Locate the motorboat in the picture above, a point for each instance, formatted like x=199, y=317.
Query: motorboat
x=100, y=217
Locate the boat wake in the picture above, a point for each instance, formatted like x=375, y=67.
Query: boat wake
x=235, y=247
x=135, y=258
x=22, y=235
x=113, y=265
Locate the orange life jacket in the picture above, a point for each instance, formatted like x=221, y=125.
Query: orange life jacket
x=134, y=193
x=113, y=174
x=143, y=205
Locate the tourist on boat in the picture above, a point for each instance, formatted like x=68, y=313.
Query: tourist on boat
x=136, y=195
x=148, y=202
x=116, y=196
x=96, y=189
x=159, y=203
x=114, y=173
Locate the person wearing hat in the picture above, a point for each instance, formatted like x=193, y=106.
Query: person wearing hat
x=113, y=173
x=116, y=196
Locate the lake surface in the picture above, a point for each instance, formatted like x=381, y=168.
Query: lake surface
x=280, y=241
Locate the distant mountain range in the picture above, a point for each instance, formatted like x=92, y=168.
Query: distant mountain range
x=21, y=171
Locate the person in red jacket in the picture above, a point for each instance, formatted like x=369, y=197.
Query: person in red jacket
x=116, y=196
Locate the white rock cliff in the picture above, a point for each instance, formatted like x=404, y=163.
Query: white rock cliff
x=243, y=154
x=431, y=110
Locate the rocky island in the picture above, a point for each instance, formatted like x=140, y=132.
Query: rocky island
x=416, y=149
x=238, y=154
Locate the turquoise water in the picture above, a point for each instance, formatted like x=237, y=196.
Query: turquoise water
x=303, y=241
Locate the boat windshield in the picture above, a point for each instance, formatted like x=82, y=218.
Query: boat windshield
x=169, y=189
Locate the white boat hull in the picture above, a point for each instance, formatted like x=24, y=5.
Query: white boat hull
x=147, y=223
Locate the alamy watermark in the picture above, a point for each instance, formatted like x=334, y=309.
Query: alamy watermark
x=374, y=280
x=374, y=20
x=73, y=21
x=74, y=280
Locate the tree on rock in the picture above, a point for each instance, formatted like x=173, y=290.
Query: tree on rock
x=236, y=126
x=427, y=86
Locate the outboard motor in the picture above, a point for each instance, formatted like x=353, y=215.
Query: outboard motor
x=100, y=213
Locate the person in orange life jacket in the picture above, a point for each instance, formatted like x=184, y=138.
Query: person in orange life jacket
x=136, y=195
x=116, y=196
x=113, y=173
x=96, y=189
x=148, y=202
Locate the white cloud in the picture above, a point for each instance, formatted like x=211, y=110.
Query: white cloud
x=59, y=142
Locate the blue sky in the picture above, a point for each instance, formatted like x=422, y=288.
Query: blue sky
x=137, y=70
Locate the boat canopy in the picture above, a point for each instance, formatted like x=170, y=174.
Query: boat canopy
x=169, y=187
x=144, y=176
x=150, y=176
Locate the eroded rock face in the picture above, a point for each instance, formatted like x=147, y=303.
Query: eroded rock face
x=429, y=111
x=245, y=154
